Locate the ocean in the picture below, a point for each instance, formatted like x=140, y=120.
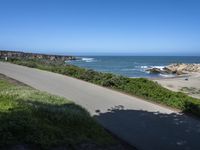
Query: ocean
x=131, y=66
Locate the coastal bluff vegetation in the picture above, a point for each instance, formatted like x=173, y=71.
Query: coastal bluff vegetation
x=140, y=87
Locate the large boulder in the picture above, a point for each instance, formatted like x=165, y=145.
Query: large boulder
x=155, y=70
x=168, y=70
x=184, y=68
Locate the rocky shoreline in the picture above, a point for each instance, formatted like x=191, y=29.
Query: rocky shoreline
x=178, y=69
x=22, y=55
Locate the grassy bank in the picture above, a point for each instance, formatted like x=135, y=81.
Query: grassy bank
x=38, y=120
x=140, y=87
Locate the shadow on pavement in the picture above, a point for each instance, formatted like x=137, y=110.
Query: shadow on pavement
x=153, y=130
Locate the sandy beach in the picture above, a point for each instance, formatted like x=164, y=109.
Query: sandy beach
x=180, y=83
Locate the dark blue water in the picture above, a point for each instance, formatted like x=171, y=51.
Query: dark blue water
x=131, y=66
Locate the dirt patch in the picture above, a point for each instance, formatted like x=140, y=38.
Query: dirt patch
x=170, y=86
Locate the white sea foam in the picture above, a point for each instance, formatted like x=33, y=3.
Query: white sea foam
x=159, y=67
x=144, y=67
x=86, y=59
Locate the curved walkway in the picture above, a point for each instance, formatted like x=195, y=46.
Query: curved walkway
x=145, y=125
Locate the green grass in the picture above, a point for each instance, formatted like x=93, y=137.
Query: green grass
x=28, y=116
x=140, y=87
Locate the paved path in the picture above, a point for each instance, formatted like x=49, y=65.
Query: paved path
x=144, y=125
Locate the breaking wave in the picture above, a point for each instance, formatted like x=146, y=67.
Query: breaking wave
x=86, y=59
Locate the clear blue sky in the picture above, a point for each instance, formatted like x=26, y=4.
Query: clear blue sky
x=138, y=27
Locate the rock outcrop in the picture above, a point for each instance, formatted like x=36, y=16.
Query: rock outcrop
x=155, y=70
x=22, y=55
x=185, y=68
x=176, y=69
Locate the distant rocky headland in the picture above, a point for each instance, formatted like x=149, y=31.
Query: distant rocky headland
x=179, y=68
x=22, y=55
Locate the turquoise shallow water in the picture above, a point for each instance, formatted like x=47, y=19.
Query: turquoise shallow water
x=131, y=66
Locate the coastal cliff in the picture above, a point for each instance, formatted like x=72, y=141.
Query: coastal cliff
x=22, y=55
x=176, y=69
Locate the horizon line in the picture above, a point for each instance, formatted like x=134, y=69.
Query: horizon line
x=101, y=53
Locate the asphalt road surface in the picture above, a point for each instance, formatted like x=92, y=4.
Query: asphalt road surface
x=145, y=125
